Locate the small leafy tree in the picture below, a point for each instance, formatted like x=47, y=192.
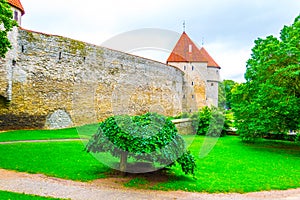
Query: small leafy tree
x=209, y=121
x=6, y=25
x=149, y=137
x=228, y=85
x=201, y=120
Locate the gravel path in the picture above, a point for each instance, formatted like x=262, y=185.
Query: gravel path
x=105, y=189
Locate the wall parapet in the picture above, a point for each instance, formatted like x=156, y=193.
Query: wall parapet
x=184, y=126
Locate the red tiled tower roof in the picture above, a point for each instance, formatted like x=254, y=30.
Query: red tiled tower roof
x=17, y=4
x=210, y=61
x=185, y=50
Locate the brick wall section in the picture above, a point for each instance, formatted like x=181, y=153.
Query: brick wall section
x=84, y=81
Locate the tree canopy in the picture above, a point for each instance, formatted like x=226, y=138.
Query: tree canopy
x=149, y=137
x=6, y=25
x=268, y=102
x=225, y=88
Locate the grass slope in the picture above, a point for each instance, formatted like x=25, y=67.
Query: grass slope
x=4, y=195
x=236, y=167
x=69, y=133
x=59, y=159
x=231, y=166
x=38, y=134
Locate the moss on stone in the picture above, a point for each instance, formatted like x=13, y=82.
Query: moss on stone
x=114, y=71
x=76, y=46
x=30, y=37
x=99, y=53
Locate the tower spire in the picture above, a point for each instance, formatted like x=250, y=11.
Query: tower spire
x=183, y=25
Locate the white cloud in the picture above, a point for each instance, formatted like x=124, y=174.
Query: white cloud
x=229, y=26
x=232, y=61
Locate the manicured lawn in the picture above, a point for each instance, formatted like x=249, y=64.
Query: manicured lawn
x=38, y=134
x=69, y=133
x=13, y=196
x=231, y=166
x=236, y=167
x=59, y=159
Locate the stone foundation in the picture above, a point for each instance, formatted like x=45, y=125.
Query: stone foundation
x=184, y=126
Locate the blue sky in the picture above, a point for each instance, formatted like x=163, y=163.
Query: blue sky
x=228, y=28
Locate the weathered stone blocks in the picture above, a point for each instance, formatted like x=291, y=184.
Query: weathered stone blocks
x=58, y=82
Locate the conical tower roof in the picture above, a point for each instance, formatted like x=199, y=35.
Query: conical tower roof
x=17, y=4
x=185, y=51
x=210, y=61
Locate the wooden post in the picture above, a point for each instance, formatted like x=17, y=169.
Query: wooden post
x=123, y=162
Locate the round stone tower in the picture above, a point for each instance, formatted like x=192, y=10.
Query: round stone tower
x=11, y=58
x=201, y=74
x=18, y=10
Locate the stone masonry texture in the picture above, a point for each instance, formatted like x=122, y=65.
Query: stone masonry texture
x=54, y=82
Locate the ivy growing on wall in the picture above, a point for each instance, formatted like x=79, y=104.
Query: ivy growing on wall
x=6, y=25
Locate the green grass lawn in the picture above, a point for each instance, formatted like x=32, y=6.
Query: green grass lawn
x=69, y=133
x=231, y=166
x=66, y=160
x=38, y=134
x=17, y=196
x=236, y=167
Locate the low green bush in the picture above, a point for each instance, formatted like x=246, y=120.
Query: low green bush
x=297, y=139
x=212, y=121
x=201, y=120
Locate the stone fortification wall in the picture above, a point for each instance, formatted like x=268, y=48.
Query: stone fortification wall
x=58, y=82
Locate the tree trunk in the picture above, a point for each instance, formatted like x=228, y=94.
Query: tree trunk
x=123, y=162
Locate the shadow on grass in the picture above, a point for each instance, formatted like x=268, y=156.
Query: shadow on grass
x=149, y=180
x=276, y=146
x=97, y=172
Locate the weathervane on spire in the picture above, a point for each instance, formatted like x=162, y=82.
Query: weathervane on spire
x=183, y=26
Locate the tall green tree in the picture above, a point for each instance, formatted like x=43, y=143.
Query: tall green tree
x=269, y=100
x=6, y=25
x=225, y=88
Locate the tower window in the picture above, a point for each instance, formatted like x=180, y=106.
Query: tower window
x=16, y=16
x=184, y=67
x=192, y=96
x=23, y=49
x=190, y=48
x=14, y=62
x=192, y=82
x=59, y=55
x=212, y=84
x=184, y=96
x=192, y=67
